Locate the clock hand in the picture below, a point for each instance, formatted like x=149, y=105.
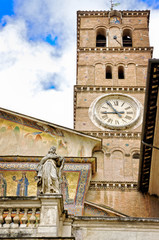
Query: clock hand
x=114, y=109
x=113, y=112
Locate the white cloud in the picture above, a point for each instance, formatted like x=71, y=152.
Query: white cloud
x=154, y=33
x=24, y=64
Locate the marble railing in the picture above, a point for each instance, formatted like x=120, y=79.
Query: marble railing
x=32, y=217
x=15, y=213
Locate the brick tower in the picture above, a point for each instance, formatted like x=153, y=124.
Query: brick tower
x=112, y=56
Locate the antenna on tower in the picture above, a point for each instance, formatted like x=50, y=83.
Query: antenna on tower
x=113, y=5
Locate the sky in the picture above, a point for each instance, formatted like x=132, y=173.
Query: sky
x=38, y=53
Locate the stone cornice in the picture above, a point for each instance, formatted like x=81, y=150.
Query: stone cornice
x=109, y=185
x=83, y=88
x=125, y=13
x=114, y=134
x=116, y=49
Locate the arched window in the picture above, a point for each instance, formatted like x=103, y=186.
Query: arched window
x=101, y=38
x=108, y=72
x=121, y=72
x=136, y=156
x=127, y=38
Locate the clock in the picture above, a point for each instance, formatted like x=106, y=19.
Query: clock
x=115, y=111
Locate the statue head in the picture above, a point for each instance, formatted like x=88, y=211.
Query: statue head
x=52, y=149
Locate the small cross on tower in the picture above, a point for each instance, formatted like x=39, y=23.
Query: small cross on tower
x=113, y=4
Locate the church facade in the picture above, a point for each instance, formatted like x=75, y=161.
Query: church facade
x=100, y=197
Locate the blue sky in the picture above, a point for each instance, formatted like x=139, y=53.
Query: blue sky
x=9, y=7
x=6, y=8
x=38, y=53
x=152, y=3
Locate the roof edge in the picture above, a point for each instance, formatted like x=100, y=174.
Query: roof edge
x=52, y=124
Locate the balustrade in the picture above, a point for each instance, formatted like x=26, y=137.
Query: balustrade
x=19, y=214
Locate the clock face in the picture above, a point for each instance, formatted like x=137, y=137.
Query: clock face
x=116, y=111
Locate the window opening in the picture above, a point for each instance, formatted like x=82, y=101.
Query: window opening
x=127, y=38
x=108, y=72
x=100, y=41
x=101, y=38
x=136, y=156
x=121, y=72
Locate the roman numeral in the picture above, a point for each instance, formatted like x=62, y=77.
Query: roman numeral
x=116, y=122
x=128, y=117
x=127, y=108
x=129, y=112
x=122, y=104
x=104, y=117
x=116, y=103
x=110, y=120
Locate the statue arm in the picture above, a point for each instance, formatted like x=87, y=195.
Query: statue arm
x=43, y=160
x=48, y=156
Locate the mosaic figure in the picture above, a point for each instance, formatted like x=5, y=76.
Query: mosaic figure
x=3, y=186
x=65, y=189
x=22, y=186
x=49, y=172
x=115, y=20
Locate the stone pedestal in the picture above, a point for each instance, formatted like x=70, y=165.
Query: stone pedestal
x=51, y=211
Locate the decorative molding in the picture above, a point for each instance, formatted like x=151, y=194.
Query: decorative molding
x=83, y=88
x=118, y=134
x=108, y=185
x=115, y=49
x=134, y=13
x=30, y=162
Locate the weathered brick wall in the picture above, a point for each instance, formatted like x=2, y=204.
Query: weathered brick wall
x=92, y=68
x=131, y=203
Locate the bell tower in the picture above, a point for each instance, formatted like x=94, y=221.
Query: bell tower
x=112, y=56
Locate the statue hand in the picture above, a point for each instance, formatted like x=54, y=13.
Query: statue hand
x=39, y=165
x=39, y=182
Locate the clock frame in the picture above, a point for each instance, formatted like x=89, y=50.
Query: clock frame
x=115, y=111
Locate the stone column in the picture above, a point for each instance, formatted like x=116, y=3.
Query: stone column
x=51, y=212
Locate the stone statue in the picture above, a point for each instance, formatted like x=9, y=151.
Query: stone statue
x=49, y=172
